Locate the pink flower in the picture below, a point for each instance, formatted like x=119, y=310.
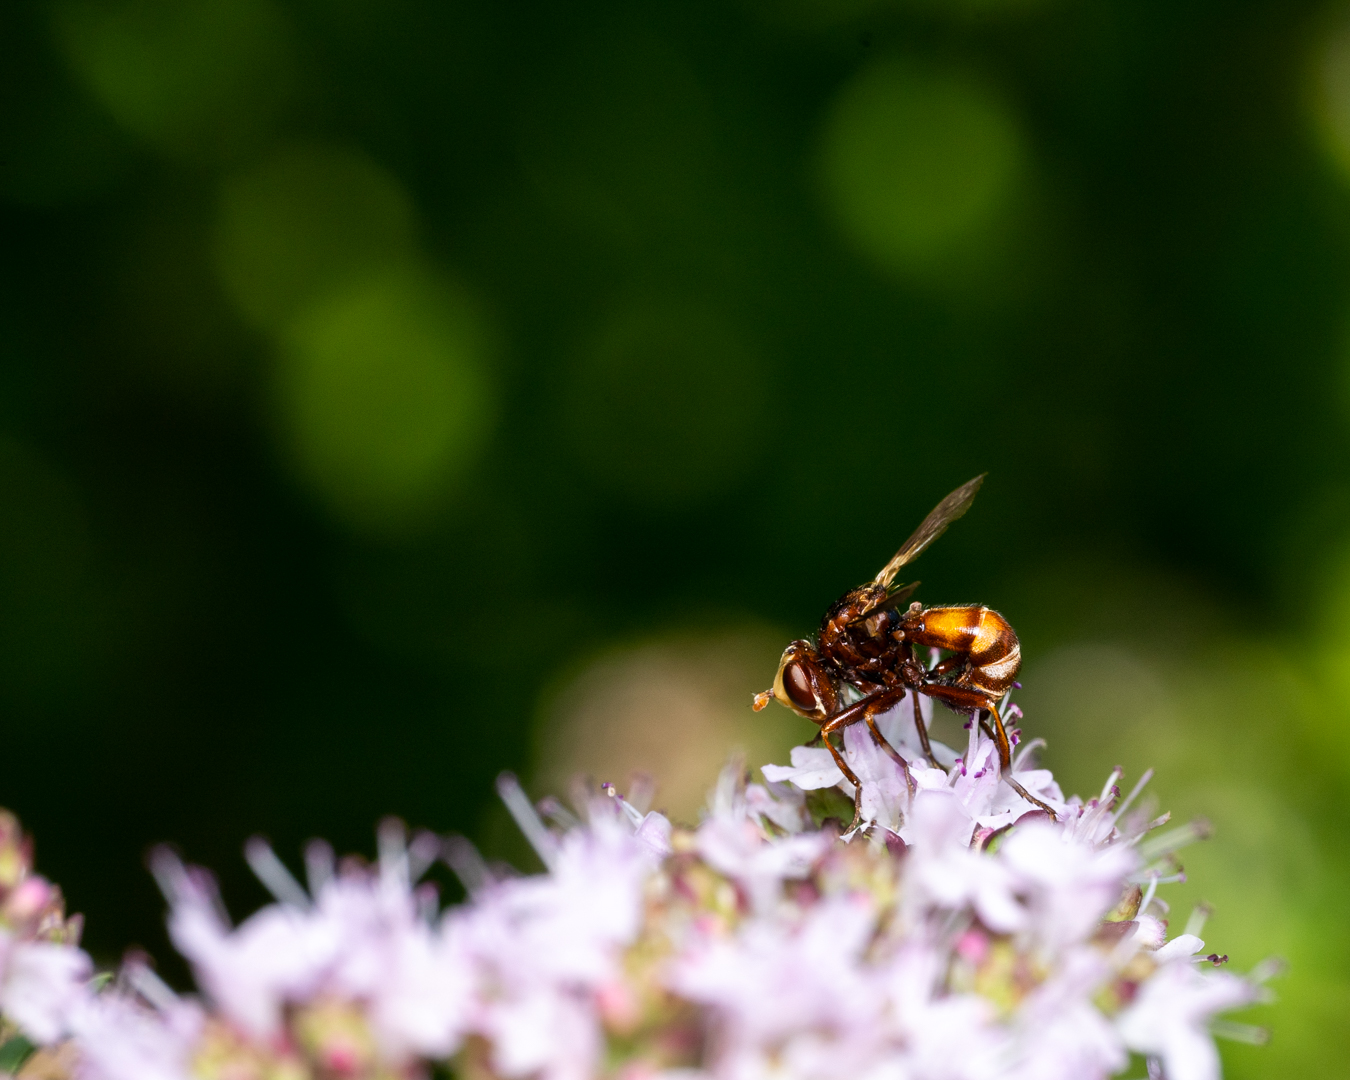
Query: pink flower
x=957, y=934
x=739, y=848
x=41, y=984
x=119, y=1038
x=1067, y=885
x=789, y=989
x=1171, y=1013
x=364, y=937
x=947, y=872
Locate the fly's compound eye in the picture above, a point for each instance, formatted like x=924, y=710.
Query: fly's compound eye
x=797, y=685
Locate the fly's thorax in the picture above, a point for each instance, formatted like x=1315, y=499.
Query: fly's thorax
x=849, y=608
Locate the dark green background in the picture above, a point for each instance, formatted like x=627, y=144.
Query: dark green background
x=711, y=395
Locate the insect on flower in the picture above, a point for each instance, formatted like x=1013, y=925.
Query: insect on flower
x=862, y=661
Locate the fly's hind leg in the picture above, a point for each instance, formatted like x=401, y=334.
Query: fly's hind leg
x=922, y=729
x=966, y=700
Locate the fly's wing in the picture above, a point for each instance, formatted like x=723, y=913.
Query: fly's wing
x=933, y=526
x=897, y=596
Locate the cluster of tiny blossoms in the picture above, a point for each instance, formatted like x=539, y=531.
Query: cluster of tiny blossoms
x=953, y=935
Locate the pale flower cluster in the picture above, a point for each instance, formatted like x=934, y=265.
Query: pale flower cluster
x=953, y=936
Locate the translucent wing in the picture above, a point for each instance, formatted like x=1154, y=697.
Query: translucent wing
x=933, y=526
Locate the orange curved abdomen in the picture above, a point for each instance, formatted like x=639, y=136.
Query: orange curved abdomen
x=984, y=636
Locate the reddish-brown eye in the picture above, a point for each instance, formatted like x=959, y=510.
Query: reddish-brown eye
x=798, y=686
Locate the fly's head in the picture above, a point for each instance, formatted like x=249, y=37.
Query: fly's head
x=803, y=684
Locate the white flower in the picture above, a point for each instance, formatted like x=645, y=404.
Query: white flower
x=1061, y=1034
x=118, y=1038
x=363, y=938
x=41, y=984
x=250, y=973
x=947, y=872
x=958, y=934
x=1171, y=1013
x=542, y=946
x=738, y=847
x=886, y=792
x=795, y=990
x=1068, y=886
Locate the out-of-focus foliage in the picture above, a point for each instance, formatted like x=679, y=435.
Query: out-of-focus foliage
x=384, y=388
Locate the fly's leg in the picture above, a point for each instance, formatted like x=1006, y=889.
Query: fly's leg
x=915, y=676
x=892, y=753
x=966, y=700
x=955, y=662
x=867, y=710
x=922, y=729
x=1005, y=761
x=852, y=779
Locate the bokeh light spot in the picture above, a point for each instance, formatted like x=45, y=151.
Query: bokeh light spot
x=617, y=138
x=57, y=145
x=1331, y=92
x=919, y=164
x=197, y=78
x=825, y=16
x=675, y=707
x=306, y=221
x=385, y=399
x=667, y=404
x=44, y=552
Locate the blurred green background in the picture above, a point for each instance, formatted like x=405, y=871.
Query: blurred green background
x=394, y=393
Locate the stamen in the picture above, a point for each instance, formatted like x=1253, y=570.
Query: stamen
x=180, y=883
x=527, y=821
x=1217, y=960
x=1110, y=785
x=428, y=900
x=641, y=791
x=169, y=873
x=1243, y=1033
x=463, y=858
x=1269, y=968
x=319, y=865
x=1023, y=751
x=392, y=842
x=1196, y=923
x=1199, y=829
x=1148, y=894
x=630, y=812
x=272, y=872
x=149, y=985
x=424, y=850
x=1134, y=793
x=554, y=811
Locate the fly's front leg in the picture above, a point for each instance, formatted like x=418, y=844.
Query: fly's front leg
x=867, y=710
x=852, y=779
x=965, y=700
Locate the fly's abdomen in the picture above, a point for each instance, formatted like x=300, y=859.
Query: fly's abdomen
x=984, y=636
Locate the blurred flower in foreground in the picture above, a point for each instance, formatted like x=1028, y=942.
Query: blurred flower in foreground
x=951, y=936
x=42, y=972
